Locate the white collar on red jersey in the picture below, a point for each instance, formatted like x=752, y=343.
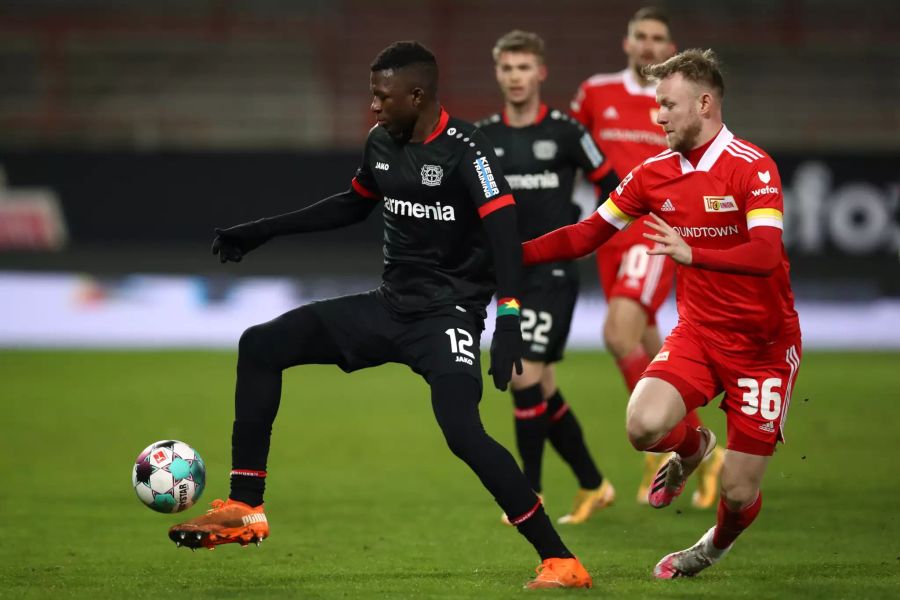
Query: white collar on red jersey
x=711, y=155
x=633, y=87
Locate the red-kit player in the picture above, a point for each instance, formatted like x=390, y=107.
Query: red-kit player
x=716, y=207
x=619, y=109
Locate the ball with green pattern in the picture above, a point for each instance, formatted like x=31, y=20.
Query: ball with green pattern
x=168, y=476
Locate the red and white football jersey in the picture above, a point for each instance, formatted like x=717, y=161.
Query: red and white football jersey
x=620, y=114
x=734, y=188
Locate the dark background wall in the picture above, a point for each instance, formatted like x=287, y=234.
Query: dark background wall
x=152, y=122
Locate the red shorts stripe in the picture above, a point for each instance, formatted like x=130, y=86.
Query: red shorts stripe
x=359, y=189
x=495, y=204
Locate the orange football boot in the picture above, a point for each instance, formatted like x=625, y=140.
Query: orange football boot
x=560, y=573
x=227, y=522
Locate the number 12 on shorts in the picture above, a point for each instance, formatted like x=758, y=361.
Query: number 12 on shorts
x=768, y=403
x=460, y=342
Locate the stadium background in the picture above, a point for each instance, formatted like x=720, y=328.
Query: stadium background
x=129, y=129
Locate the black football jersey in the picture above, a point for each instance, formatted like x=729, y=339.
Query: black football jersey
x=436, y=252
x=540, y=162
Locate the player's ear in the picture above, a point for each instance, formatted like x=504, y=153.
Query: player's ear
x=542, y=72
x=705, y=102
x=418, y=96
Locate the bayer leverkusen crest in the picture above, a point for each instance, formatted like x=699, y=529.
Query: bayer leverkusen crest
x=431, y=175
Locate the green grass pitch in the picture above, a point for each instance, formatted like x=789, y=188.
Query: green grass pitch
x=365, y=501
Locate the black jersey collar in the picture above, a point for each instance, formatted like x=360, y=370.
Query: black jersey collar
x=542, y=112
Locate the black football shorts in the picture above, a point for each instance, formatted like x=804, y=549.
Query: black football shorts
x=548, y=302
x=368, y=334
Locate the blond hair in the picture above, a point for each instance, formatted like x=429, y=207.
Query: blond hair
x=519, y=41
x=699, y=66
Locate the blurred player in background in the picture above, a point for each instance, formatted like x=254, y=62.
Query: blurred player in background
x=450, y=241
x=716, y=205
x=540, y=150
x=619, y=109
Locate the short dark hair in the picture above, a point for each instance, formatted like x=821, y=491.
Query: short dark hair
x=652, y=13
x=520, y=41
x=401, y=55
x=699, y=66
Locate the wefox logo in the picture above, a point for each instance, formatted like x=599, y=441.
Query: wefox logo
x=405, y=208
x=769, y=189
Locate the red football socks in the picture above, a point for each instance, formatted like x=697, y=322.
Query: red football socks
x=632, y=366
x=683, y=440
x=692, y=420
x=730, y=524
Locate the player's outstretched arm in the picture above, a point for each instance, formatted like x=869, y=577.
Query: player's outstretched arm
x=759, y=256
x=506, y=346
x=569, y=242
x=343, y=209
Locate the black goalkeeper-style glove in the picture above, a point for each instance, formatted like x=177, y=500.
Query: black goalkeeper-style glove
x=506, y=350
x=233, y=243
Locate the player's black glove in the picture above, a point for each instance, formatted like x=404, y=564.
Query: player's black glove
x=233, y=243
x=506, y=350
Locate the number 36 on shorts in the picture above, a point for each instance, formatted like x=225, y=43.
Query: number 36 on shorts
x=764, y=399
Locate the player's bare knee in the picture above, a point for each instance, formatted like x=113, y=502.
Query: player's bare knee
x=643, y=429
x=618, y=340
x=738, y=494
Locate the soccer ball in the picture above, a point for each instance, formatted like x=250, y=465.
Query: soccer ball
x=168, y=476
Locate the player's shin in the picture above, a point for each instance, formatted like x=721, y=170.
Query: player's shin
x=454, y=399
x=730, y=523
x=567, y=438
x=531, y=421
x=683, y=440
x=249, y=454
x=632, y=366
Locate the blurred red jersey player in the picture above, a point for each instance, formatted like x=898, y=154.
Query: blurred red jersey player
x=716, y=206
x=619, y=109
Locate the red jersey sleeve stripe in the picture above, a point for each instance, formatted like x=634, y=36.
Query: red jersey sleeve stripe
x=359, y=189
x=495, y=204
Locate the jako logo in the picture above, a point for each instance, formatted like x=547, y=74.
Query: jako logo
x=486, y=177
x=381, y=166
x=405, y=208
x=765, y=190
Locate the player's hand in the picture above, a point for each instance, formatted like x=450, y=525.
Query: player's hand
x=506, y=350
x=670, y=241
x=233, y=243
